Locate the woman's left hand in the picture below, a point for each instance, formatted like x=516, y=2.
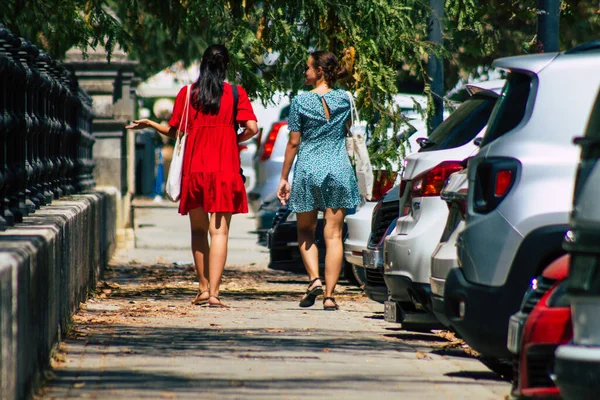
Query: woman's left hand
x=283, y=191
x=140, y=124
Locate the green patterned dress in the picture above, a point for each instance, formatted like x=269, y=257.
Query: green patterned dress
x=323, y=175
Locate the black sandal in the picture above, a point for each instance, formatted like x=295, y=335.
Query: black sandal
x=334, y=307
x=311, y=294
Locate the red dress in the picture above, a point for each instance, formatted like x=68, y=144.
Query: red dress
x=211, y=162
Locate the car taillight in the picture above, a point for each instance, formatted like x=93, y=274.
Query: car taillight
x=383, y=182
x=503, y=182
x=493, y=180
x=430, y=183
x=270, y=143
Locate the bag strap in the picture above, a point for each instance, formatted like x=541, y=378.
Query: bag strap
x=234, y=90
x=186, y=108
x=353, y=110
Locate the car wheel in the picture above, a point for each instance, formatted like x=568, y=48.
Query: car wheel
x=358, y=275
x=501, y=366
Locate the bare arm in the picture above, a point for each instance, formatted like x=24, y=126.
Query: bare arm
x=146, y=123
x=283, y=192
x=249, y=132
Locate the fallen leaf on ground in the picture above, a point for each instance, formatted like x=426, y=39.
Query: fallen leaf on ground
x=326, y=350
x=274, y=330
x=421, y=355
x=79, y=385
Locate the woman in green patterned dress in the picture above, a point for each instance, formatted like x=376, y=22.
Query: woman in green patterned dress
x=324, y=179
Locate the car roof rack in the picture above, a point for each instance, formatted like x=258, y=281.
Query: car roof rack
x=592, y=45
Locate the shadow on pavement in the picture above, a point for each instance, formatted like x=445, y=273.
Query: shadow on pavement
x=148, y=384
x=477, y=375
x=217, y=343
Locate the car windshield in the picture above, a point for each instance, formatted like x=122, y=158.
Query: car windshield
x=462, y=125
x=511, y=107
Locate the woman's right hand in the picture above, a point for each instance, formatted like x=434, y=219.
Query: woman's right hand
x=140, y=124
x=283, y=191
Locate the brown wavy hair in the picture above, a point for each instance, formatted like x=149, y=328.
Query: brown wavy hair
x=328, y=62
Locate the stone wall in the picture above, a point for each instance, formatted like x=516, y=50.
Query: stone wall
x=48, y=265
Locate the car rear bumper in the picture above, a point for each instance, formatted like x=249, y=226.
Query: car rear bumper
x=403, y=290
x=487, y=309
x=437, y=307
x=486, y=312
x=409, y=254
x=375, y=287
x=577, y=371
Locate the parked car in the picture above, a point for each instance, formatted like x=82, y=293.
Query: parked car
x=359, y=228
x=520, y=192
x=422, y=214
x=264, y=217
x=383, y=221
x=247, y=150
x=282, y=241
x=268, y=161
x=541, y=325
x=578, y=364
x=443, y=258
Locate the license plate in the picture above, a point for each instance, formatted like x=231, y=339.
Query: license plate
x=371, y=259
x=391, y=312
x=515, y=331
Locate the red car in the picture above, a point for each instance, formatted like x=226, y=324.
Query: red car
x=534, y=333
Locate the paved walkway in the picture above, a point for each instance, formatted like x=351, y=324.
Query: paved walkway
x=140, y=338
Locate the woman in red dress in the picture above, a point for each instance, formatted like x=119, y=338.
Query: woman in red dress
x=212, y=188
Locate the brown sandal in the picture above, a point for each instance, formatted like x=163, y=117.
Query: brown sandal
x=216, y=305
x=198, y=301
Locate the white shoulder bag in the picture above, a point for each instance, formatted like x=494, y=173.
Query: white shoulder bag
x=173, y=186
x=359, y=154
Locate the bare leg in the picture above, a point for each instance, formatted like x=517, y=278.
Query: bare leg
x=200, y=250
x=334, y=224
x=307, y=223
x=219, y=236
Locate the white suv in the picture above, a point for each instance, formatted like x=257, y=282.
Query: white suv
x=520, y=192
x=407, y=254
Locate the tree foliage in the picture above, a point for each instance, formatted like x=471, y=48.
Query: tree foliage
x=382, y=42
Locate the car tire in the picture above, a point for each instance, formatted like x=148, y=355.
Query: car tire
x=501, y=366
x=349, y=274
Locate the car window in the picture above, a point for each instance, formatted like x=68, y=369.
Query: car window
x=511, y=107
x=462, y=125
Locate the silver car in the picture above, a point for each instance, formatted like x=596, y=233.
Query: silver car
x=443, y=258
x=422, y=214
x=578, y=364
x=520, y=191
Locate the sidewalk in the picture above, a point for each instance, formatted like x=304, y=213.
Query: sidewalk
x=140, y=338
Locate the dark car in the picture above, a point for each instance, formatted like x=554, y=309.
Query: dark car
x=383, y=222
x=282, y=241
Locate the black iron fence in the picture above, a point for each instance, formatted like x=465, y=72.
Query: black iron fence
x=45, y=130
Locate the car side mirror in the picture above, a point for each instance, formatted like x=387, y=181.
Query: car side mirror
x=477, y=141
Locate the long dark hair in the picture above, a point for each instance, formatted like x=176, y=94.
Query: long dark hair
x=208, y=89
x=329, y=63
